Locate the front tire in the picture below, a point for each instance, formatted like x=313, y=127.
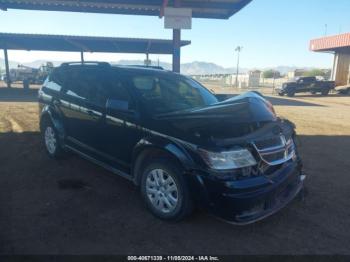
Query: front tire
x=51, y=141
x=165, y=190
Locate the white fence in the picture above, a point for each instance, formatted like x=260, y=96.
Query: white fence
x=244, y=81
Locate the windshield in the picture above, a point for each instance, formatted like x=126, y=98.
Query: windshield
x=169, y=93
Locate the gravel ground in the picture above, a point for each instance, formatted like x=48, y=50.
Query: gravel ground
x=74, y=207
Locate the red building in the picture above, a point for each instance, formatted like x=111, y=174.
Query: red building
x=339, y=45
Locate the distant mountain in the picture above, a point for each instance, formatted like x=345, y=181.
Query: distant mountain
x=12, y=64
x=34, y=64
x=38, y=63
x=193, y=68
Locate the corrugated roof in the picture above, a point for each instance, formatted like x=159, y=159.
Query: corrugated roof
x=219, y=9
x=331, y=43
x=86, y=43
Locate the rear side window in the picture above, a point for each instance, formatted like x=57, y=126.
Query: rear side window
x=87, y=83
x=77, y=84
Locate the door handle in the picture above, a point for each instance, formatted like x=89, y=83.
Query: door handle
x=56, y=102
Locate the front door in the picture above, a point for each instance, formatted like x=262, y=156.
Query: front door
x=121, y=128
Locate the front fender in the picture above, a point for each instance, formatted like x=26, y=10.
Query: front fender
x=167, y=146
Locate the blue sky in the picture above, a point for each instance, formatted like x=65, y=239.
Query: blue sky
x=272, y=32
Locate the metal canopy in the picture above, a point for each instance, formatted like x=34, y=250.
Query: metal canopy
x=219, y=9
x=86, y=44
x=335, y=43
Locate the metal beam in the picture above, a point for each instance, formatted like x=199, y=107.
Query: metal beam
x=77, y=44
x=86, y=43
x=8, y=78
x=222, y=9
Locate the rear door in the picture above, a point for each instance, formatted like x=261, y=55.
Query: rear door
x=78, y=103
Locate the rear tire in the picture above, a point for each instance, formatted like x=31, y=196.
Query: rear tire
x=291, y=93
x=51, y=141
x=165, y=190
x=325, y=92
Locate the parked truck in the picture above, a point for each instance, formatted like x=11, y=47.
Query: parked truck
x=306, y=84
x=29, y=74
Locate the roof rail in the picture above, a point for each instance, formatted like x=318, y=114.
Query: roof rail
x=146, y=66
x=86, y=63
x=142, y=66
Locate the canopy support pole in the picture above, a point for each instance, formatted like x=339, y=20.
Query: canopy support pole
x=82, y=56
x=176, y=44
x=8, y=78
x=147, y=62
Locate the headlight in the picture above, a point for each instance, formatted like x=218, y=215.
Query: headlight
x=228, y=160
x=270, y=108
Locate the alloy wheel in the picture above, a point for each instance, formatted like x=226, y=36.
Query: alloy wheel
x=50, y=140
x=162, y=190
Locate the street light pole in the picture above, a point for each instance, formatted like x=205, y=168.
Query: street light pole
x=238, y=50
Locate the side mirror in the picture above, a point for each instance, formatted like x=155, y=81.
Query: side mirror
x=117, y=105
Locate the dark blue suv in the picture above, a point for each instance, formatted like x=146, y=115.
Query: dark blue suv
x=172, y=138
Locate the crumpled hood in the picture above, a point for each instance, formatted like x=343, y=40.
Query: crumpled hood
x=234, y=117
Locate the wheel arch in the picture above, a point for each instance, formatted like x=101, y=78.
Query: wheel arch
x=47, y=114
x=148, y=149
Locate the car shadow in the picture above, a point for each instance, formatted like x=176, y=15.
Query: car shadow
x=319, y=95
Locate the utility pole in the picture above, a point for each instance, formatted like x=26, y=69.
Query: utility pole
x=274, y=79
x=238, y=50
x=325, y=29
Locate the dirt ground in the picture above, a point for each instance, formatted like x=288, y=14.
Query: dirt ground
x=43, y=212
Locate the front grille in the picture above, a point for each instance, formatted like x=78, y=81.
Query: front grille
x=270, y=142
x=274, y=156
x=275, y=150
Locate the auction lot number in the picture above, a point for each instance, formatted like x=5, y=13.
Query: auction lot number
x=173, y=258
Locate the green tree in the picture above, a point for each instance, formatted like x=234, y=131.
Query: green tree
x=315, y=72
x=271, y=74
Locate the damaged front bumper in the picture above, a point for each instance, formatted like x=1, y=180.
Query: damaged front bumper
x=246, y=201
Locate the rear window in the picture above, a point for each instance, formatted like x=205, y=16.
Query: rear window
x=57, y=76
x=54, y=80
